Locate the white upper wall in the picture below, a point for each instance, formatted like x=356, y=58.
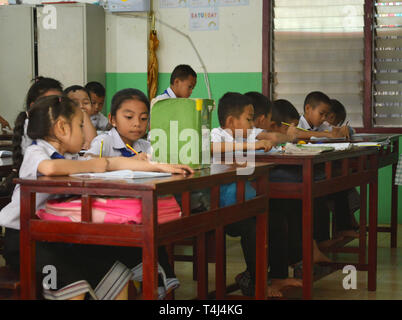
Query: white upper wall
x=126, y=43
x=235, y=47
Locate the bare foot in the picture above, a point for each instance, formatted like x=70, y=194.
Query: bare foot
x=281, y=284
x=318, y=256
x=348, y=234
x=273, y=292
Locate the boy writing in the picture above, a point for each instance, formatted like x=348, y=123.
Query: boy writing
x=237, y=132
x=317, y=106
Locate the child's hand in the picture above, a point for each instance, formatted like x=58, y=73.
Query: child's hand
x=264, y=144
x=292, y=132
x=340, y=132
x=88, y=109
x=174, y=168
x=142, y=156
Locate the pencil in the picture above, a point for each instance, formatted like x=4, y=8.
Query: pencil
x=287, y=124
x=101, y=148
x=131, y=148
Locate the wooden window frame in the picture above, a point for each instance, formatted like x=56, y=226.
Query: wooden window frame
x=368, y=63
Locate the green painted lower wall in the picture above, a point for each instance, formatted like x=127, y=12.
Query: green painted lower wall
x=220, y=83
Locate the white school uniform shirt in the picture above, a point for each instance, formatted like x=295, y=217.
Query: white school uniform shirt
x=99, y=121
x=305, y=125
x=112, y=143
x=34, y=155
x=168, y=93
x=222, y=135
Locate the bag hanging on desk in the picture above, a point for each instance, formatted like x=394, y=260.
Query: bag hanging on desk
x=108, y=210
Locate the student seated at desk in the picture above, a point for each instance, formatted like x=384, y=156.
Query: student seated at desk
x=182, y=82
x=262, y=120
x=236, y=114
x=285, y=217
x=129, y=115
x=284, y=112
x=97, y=94
x=317, y=105
x=337, y=115
x=80, y=96
x=55, y=127
x=41, y=87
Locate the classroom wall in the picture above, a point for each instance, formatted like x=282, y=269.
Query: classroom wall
x=231, y=55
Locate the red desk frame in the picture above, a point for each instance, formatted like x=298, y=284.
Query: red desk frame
x=365, y=172
x=149, y=235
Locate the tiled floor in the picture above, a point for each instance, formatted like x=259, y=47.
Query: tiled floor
x=389, y=275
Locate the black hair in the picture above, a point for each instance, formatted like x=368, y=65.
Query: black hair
x=339, y=110
x=76, y=88
x=315, y=98
x=182, y=72
x=41, y=117
x=262, y=105
x=40, y=86
x=127, y=94
x=232, y=104
x=284, y=111
x=96, y=87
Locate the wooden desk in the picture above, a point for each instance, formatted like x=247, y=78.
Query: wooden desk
x=365, y=172
x=388, y=155
x=149, y=235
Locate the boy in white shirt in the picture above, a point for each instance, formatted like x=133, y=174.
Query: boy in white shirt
x=237, y=133
x=182, y=82
x=317, y=106
x=97, y=94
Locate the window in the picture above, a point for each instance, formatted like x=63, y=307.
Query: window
x=349, y=49
x=387, y=64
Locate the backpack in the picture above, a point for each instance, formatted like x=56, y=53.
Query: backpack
x=108, y=210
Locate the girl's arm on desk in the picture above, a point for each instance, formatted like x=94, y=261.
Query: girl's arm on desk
x=61, y=167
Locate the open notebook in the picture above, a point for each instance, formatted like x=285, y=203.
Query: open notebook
x=122, y=174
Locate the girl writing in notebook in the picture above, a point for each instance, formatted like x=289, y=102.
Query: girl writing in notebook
x=56, y=129
x=129, y=115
